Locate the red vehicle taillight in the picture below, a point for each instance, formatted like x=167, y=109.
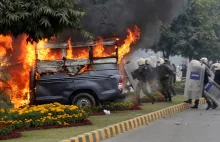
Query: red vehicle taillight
x=120, y=85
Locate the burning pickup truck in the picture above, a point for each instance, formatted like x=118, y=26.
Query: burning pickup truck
x=85, y=81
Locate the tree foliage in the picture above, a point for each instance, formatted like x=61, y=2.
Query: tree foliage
x=166, y=43
x=40, y=18
x=194, y=33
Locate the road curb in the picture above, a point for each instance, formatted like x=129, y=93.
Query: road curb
x=119, y=128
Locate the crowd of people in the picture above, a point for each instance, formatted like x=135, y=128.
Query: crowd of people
x=160, y=78
x=163, y=76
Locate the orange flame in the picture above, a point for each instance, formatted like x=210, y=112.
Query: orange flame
x=78, y=53
x=86, y=68
x=100, y=51
x=46, y=53
x=5, y=44
x=131, y=38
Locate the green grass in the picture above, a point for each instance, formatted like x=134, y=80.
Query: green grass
x=55, y=135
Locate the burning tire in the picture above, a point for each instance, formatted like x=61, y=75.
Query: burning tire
x=32, y=85
x=83, y=99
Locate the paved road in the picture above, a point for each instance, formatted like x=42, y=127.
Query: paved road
x=195, y=126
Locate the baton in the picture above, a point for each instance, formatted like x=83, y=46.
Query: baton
x=179, y=76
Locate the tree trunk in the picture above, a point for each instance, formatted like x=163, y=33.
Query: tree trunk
x=164, y=54
x=190, y=58
x=167, y=55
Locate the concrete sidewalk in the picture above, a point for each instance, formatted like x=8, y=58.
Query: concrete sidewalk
x=195, y=126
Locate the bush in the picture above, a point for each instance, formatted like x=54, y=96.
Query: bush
x=43, y=115
x=5, y=128
x=114, y=106
x=179, y=87
x=146, y=99
x=91, y=109
x=119, y=106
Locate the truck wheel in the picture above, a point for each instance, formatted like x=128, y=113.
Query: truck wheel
x=83, y=99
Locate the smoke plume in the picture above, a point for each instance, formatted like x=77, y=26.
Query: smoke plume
x=107, y=18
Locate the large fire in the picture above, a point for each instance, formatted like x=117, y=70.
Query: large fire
x=20, y=57
x=77, y=53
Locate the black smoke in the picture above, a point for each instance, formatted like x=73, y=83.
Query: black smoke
x=109, y=18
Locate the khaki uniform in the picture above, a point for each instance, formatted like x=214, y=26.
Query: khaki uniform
x=142, y=86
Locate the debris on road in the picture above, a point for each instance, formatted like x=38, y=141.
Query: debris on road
x=107, y=112
x=177, y=123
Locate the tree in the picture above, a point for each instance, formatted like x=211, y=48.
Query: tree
x=40, y=18
x=194, y=33
x=166, y=43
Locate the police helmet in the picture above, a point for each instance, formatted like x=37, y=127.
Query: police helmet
x=195, y=63
x=204, y=59
x=161, y=61
x=148, y=61
x=141, y=61
x=217, y=66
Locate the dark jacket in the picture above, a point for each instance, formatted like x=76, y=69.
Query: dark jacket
x=140, y=73
x=184, y=70
x=143, y=73
x=164, y=72
x=151, y=74
x=206, y=78
x=217, y=77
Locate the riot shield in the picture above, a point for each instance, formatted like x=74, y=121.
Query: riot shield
x=210, y=72
x=212, y=90
x=194, y=80
x=129, y=68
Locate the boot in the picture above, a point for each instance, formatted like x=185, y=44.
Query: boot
x=169, y=100
x=196, y=104
x=214, y=106
x=189, y=101
x=154, y=100
x=209, y=105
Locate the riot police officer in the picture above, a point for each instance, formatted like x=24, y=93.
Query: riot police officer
x=141, y=75
x=217, y=80
x=172, y=77
x=151, y=75
x=205, y=81
x=204, y=60
x=164, y=73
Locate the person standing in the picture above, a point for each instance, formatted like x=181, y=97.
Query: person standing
x=164, y=72
x=151, y=75
x=141, y=75
x=173, y=79
x=209, y=102
x=217, y=80
x=184, y=70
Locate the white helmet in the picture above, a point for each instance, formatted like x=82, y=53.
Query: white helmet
x=141, y=61
x=148, y=61
x=204, y=59
x=217, y=66
x=195, y=63
x=161, y=61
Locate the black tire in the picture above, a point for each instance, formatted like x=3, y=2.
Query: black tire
x=83, y=99
x=32, y=86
